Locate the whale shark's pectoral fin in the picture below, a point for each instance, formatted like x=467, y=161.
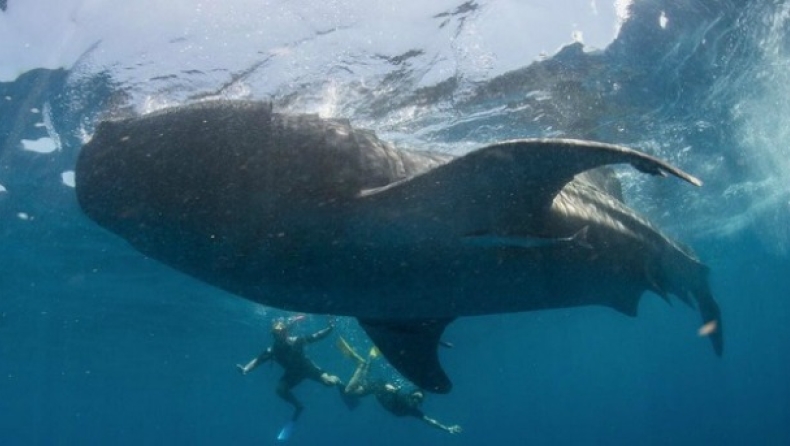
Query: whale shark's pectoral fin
x=411, y=347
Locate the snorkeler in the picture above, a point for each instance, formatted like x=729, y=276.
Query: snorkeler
x=288, y=351
x=391, y=397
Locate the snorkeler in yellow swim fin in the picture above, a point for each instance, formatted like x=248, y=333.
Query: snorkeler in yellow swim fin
x=391, y=397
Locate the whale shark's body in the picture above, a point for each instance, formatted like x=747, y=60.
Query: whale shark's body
x=311, y=215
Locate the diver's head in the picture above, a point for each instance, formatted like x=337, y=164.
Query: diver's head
x=279, y=328
x=416, y=397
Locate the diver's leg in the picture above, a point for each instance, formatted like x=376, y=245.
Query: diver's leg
x=284, y=391
x=315, y=373
x=356, y=385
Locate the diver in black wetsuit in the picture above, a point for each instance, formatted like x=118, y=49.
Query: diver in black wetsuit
x=407, y=404
x=392, y=398
x=288, y=351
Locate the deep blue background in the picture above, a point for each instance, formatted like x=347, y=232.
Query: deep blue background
x=99, y=345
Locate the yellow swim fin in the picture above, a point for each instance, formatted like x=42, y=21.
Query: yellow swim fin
x=374, y=352
x=348, y=351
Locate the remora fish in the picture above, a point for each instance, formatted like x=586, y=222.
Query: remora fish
x=311, y=215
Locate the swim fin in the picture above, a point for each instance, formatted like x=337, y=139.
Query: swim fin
x=348, y=351
x=286, y=431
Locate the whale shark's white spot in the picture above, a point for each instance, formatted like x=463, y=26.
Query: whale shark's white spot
x=68, y=178
x=24, y=216
x=41, y=145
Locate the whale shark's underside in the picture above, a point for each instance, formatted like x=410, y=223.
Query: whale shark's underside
x=312, y=215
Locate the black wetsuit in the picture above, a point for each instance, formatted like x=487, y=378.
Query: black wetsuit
x=290, y=355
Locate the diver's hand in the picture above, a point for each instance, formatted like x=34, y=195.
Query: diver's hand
x=242, y=369
x=331, y=380
x=455, y=429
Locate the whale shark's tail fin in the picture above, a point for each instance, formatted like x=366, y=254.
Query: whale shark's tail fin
x=697, y=290
x=411, y=347
x=688, y=280
x=711, y=320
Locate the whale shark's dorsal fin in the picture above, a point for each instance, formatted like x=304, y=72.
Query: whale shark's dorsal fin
x=539, y=168
x=554, y=162
x=411, y=347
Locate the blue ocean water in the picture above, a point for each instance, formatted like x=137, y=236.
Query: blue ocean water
x=100, y=345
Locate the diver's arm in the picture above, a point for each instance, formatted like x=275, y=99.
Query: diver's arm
x=258, y=360
x=454, y=429
x=317, y=336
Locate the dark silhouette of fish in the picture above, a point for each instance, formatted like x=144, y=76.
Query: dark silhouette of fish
x=312, y=215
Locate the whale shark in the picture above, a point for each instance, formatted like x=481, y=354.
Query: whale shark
x=313, y=215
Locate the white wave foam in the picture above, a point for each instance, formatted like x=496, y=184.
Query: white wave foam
x=307, y=34
x=765, y=138
x=68, y=178
x=622, y=11
x=41, y=145
x=46, y=116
